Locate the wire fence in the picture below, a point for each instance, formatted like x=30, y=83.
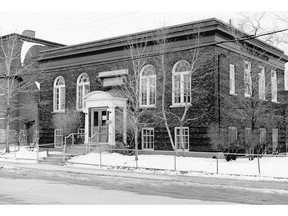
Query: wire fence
x=183, y=161
x=214, y=162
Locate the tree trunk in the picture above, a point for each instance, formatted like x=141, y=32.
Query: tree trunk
x=136, y=143
x=8, y=117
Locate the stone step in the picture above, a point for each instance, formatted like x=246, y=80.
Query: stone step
x=50, y=162
x=55, y=159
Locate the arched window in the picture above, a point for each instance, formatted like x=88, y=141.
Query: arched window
x=59, y=94
x=148, y=86
x=83, y=88
x=181, y=79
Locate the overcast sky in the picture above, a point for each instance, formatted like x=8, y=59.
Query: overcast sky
x=72, y=22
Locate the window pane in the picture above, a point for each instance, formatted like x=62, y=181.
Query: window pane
x=62, y=98
x=232, y=79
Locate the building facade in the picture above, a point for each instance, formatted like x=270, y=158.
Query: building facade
x=19, y=56
x=207, y=66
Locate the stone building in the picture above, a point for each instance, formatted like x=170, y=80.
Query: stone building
x=87, y=73
x=88, y=78
x=19, y=55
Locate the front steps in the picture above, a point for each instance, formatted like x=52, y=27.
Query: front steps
x=55, y=158
x=84, y=149
x=55, y=155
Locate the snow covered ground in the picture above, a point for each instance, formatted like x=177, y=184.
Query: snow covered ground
x=269, y=166
x=24, y=155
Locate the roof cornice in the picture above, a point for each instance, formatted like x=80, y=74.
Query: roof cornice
x=31, y=39
x=190, y=28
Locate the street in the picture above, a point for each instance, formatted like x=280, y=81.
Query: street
x=65, y=185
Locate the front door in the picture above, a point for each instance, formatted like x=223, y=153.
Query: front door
x=100, y=127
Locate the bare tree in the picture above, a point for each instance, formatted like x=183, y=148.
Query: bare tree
x=262, y=22
x=69, y=121
x=190, y=82
x=137, y=53
x=16, y=77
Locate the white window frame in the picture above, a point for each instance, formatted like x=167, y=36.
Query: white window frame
x=273, y=86
x=83, y=88
x=247, y=79
x=286, y=77
x=183, y=80
x=59, y=102
x=145, y=135
x=262, y=84
x=58, y=133
x=81, y=133
x=178, y=145
x=232, y=79
x=150, y=87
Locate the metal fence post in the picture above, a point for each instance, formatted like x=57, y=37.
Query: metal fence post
x=217, y=163
x=175, y=162
x=100, y=157
x=259, y=171
x=37, y=148
x=64, y=150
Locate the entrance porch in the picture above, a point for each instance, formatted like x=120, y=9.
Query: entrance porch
x=100, y=117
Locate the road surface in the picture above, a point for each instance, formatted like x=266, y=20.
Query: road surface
x=64, y=185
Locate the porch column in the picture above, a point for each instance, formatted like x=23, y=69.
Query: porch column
x=112, y=125
x=86, y=140
x=124, y=124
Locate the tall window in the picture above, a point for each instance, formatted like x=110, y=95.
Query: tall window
x=273, y=86
x=148, y=86
x=83, y=88
x=181, y=79
x=58, y=137
x=232, y=79
x=185, y=138
x=232, y=134
x=248, y=136
x=59, y=94
x=261, y=82
x=262, y=136
x=247, y=79
x=274, y=139
x=148, y=138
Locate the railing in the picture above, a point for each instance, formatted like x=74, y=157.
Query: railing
x=65, y=145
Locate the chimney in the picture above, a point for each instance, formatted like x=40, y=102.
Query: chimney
x=230, y=22
x=29, y=33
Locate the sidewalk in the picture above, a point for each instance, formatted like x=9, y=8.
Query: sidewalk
x=167, y=175
x=91, y=171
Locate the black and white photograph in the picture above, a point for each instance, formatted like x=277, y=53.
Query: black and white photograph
x=161, y=106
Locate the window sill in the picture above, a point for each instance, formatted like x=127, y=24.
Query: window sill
x=247, y=96
x=275, y=102
x=233, y=94
x=62, y=111
x=147, y=107
x=179, y=105
x=181, y=150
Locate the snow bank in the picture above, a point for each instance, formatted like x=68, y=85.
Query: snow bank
x=23, y=155
x=269, y=166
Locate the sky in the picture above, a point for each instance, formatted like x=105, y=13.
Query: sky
x=73, y=22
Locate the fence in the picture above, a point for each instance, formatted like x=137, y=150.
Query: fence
x=33, y=152
x=205, y=162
